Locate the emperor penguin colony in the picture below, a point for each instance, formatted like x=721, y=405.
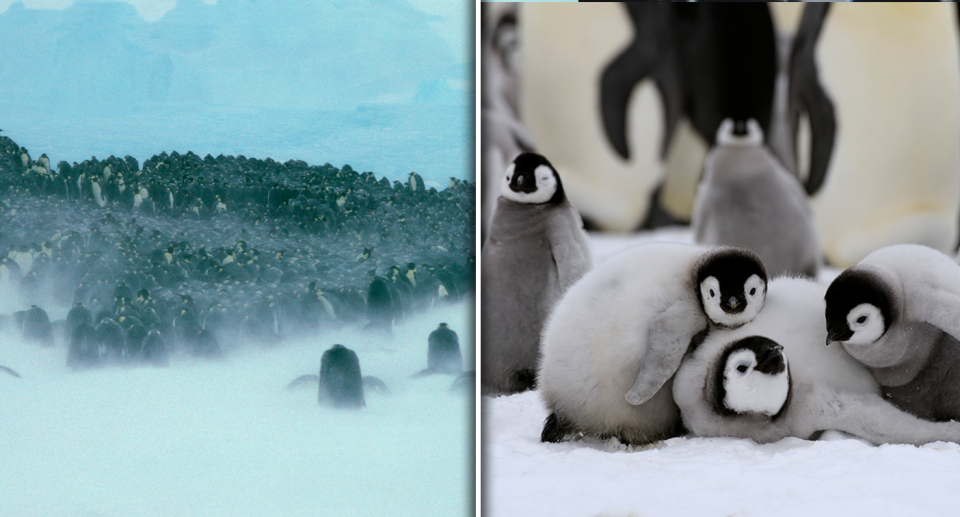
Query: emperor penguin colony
x=197, y=257
x=535, y=251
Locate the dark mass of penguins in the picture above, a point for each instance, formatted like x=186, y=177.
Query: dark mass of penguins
x=196, y=254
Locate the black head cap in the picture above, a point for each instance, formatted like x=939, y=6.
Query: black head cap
x=731, y=266
x=770, y=360
x=524, y=178
x=851, y=288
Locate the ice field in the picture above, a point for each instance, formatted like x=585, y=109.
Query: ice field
x=228, y=438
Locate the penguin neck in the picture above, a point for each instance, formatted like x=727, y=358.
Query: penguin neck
x=907, y=349
x=522, y=220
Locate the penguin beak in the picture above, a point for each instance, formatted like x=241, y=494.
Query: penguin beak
x=733, y=305
x=835, y=334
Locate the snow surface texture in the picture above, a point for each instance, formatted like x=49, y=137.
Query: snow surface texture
x=314, y=81
x=703, y=476
x=227, y=438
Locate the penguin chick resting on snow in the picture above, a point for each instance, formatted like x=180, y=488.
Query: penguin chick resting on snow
x=613, y=343
x=898, y=313
x=738, y=383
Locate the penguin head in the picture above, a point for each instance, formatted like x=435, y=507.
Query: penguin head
x=731, y=285
x=531, y=179
x=739, y=132
x=859, y=307
x=752, y=377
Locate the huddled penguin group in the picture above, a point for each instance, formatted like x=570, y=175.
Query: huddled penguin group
x=199, y=255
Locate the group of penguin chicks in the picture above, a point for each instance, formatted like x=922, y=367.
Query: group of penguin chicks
x=668, y=338
x=342, y=385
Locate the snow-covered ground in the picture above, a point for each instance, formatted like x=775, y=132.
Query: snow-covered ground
x=703, y=476
x=227, y=438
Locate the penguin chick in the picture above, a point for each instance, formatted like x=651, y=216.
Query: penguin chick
x=825, y=388
x=896, y=312
x=535, y=251
x=747, y=198
x=615, y=340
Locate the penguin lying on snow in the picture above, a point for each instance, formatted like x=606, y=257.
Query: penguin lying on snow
x=748, y=199
x=897, y=313
x=739, y=382
x=613, y=343
x=536, y=250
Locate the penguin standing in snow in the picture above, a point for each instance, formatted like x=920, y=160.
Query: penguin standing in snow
x=341, y=384
x=747, y=198
x=536, y=250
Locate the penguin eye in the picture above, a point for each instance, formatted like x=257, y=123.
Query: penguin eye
x=861, y=319
x=753, y=291
x=711, y=293
x=742, y=368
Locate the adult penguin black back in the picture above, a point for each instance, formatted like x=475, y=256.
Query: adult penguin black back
x=341, y=384
x=535, y=251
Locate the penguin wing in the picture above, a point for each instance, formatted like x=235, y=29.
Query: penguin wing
x=807, y=95
x=668, y=338
x=636, y=62
x=939, y=307
x=569, y=249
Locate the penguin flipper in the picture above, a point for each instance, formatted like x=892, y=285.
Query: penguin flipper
x=636, y=62
x=808, y=96
x=868, y=416
x=670, y=334
x=569, y=249
x=10, y=371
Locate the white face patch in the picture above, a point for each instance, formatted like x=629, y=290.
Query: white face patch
x=546, y=186
x=755, y=291
x=866, y=322
x=750, y=391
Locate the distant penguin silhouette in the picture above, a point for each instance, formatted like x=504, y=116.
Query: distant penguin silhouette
x=36, y=327
x=443, y=352
x=341, y=384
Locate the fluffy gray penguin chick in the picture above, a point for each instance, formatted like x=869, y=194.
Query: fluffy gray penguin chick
x=535, y=251
x=747, y=198
x=898, y=313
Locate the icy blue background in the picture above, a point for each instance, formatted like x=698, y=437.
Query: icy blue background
x=380, y=85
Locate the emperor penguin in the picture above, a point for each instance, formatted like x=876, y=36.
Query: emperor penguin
x=896, y=312
x=341, y=384
x=747, y=198
x=773, y=378
x=613, y=343
x=893, y=72
x=536, y=250
x=502, y=136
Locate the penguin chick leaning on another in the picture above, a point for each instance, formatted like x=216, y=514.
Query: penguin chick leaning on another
x=536, y=250
x=614, y=342
x=897, y=313
x=747, y=198
x=738, y=383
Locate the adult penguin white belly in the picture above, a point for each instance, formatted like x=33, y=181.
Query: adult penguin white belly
x=566, y=48
x=892, y=72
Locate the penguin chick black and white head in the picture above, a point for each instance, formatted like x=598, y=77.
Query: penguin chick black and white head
x=732, y=285
x=752, y=377
x=739, y=133
x=531, y=179
x=859, y=307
